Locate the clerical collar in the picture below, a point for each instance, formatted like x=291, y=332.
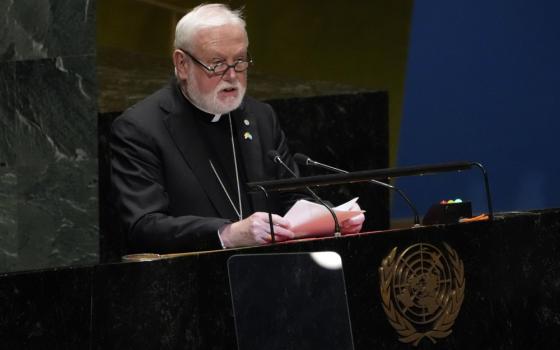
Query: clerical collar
x=214, y=119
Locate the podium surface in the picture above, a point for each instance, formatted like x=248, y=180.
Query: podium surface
x=492, y=285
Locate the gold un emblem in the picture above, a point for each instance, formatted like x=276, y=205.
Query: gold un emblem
x=422, y=291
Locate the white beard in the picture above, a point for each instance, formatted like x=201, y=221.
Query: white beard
x=210, y=103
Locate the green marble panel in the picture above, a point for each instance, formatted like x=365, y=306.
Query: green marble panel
x=56, y=163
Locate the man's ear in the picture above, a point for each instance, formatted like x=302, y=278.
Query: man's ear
x=181, y=63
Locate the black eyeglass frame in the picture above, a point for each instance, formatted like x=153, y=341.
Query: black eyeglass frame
x=212, y=70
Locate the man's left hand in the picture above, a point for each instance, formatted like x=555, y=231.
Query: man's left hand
x=354, y=224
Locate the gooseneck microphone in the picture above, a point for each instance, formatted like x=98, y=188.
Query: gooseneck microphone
x=305, y=160
x=275, y=156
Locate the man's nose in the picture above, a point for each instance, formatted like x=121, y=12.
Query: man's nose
x=230, y=74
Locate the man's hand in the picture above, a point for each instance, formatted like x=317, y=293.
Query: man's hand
x=354, y=224
x=255, y=230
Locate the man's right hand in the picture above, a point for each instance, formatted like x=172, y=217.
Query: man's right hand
x=255, y=230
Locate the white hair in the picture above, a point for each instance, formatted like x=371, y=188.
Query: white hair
x=204, y=16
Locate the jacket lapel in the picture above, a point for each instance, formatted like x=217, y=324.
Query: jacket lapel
x=182, y=128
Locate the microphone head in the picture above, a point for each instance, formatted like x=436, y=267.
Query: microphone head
x=301, y=159
x=273, y=155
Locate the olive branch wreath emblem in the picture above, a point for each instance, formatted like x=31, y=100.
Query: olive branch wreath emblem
x=450, y=303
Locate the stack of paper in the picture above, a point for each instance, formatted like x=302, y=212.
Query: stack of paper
x=312, y=219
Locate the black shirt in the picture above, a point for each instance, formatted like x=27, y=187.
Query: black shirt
x=217, y=135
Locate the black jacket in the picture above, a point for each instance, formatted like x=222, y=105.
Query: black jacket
x=167, y=196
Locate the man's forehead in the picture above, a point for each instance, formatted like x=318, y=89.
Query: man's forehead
x=229, y=37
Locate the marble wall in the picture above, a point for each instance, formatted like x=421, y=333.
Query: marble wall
x=48, y=140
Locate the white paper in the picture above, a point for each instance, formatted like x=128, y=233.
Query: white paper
x=313, y=219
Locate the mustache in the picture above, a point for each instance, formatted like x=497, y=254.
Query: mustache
x=228, y=85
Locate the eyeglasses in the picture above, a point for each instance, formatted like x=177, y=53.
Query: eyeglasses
x=222, y=67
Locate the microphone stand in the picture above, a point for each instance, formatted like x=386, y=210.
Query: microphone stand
x=272, y=235
x=276, y=159
x=300, y=158
x=366, y=175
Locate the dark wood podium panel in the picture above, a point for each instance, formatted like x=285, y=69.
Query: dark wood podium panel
x=485, y=285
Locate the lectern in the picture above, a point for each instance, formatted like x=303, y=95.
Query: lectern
x=487, y=285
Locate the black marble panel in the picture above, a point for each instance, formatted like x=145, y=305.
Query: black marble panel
x=56, y=105
x=48, y=180
x=111, y=236
x=349, y=131
x=7, y=113
x=169, y=319
x=8, y=176
x=46, y=310
x=53, y=153
x=32, y=29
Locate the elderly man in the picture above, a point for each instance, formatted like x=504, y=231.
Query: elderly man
x=182, y=156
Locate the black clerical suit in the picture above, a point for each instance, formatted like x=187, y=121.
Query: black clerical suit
x=167, y=195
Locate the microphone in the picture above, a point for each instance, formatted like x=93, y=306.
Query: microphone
x=305, y=160
x=275, y=156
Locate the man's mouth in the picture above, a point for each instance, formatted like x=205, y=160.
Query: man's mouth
x=229, y=92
